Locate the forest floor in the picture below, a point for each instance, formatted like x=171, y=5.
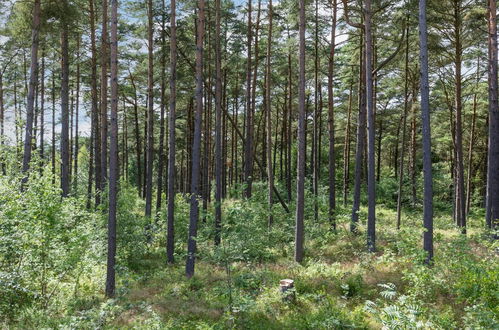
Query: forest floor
x=236, y=285
x=339, y=285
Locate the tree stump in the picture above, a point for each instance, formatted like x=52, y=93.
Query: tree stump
x=287, y=289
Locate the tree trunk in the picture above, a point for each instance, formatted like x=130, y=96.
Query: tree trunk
x=332, y=164
x=218, y=125
x=371, y=175
x=268, y=112
x=113, y=153
x=346, y=149
x=248, y=147
x=103, y=93
x=150, y=106
x=42, y=110
x=161, y=153
x=2, y=126
x=95, y=107
x=138, y=145
x=404, y=124
x=472, y=140
x=196, y=146
x=65, y=107
x=53, y=127
x=492, y=207
x=426, y=135
x=460, y=202
x=300, y=177
x=361, y=138
x=170, y=243
x=35, y=39
x=76, y=142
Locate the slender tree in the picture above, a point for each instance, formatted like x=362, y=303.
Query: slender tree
x=404, y=128
x=371, y=178
x=361, y=123
x=492, y=202
x=150, y=107
x=171, y=131
x=65, y=161
x=426, y=132
x=248, y=146
x=103, y=94
x=77, y=114
x=95, y=115
x=35, y=40
x=196, y=146
x=113, y=155
x=300, y=177
x=161, y=154
x=268, y=112
x=332, y=158
x=218, y=125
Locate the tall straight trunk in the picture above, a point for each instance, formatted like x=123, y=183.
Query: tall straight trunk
x=196, y=146
x=361, y=138
x=248, y=147
x=113, y=155
x=65, y=174
x=253, y=90
x=36, y=113
x=161, y=153
x=346, y=148
x=35, y=40
x=17, y=119
x=218, y=125
x=300, y=177
x=396, y=151
x=2, y=126
x=95, y=106
x=379, y=149
x=472, y=140
x=492, y=207
x=150, y=106
x=206, y=148
x=404, y=128
x=53, y=127
x=268, y=108
x=71, y=128
x=371, y=175
x=3, y=165
x=289, y=127
x=42, y=108
x=170, y=243
x=412, y=165
x=77, y=108
x=460, y=203
x=90, y=165
x=138, y=147
x=103, y=93
x=315, y=137
x=146, y=124
x=125, y=143
x=426, y=134
x=330, y=90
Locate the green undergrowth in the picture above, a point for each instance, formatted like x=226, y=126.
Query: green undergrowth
x=236, y=285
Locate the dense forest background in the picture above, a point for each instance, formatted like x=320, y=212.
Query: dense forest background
x=167, y=164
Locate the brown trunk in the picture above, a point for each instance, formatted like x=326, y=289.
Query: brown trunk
x=103, y=93
x=32, y=87
x=300, y=179
x=150, y=107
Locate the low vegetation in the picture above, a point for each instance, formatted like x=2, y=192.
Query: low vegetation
x=53, y=263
